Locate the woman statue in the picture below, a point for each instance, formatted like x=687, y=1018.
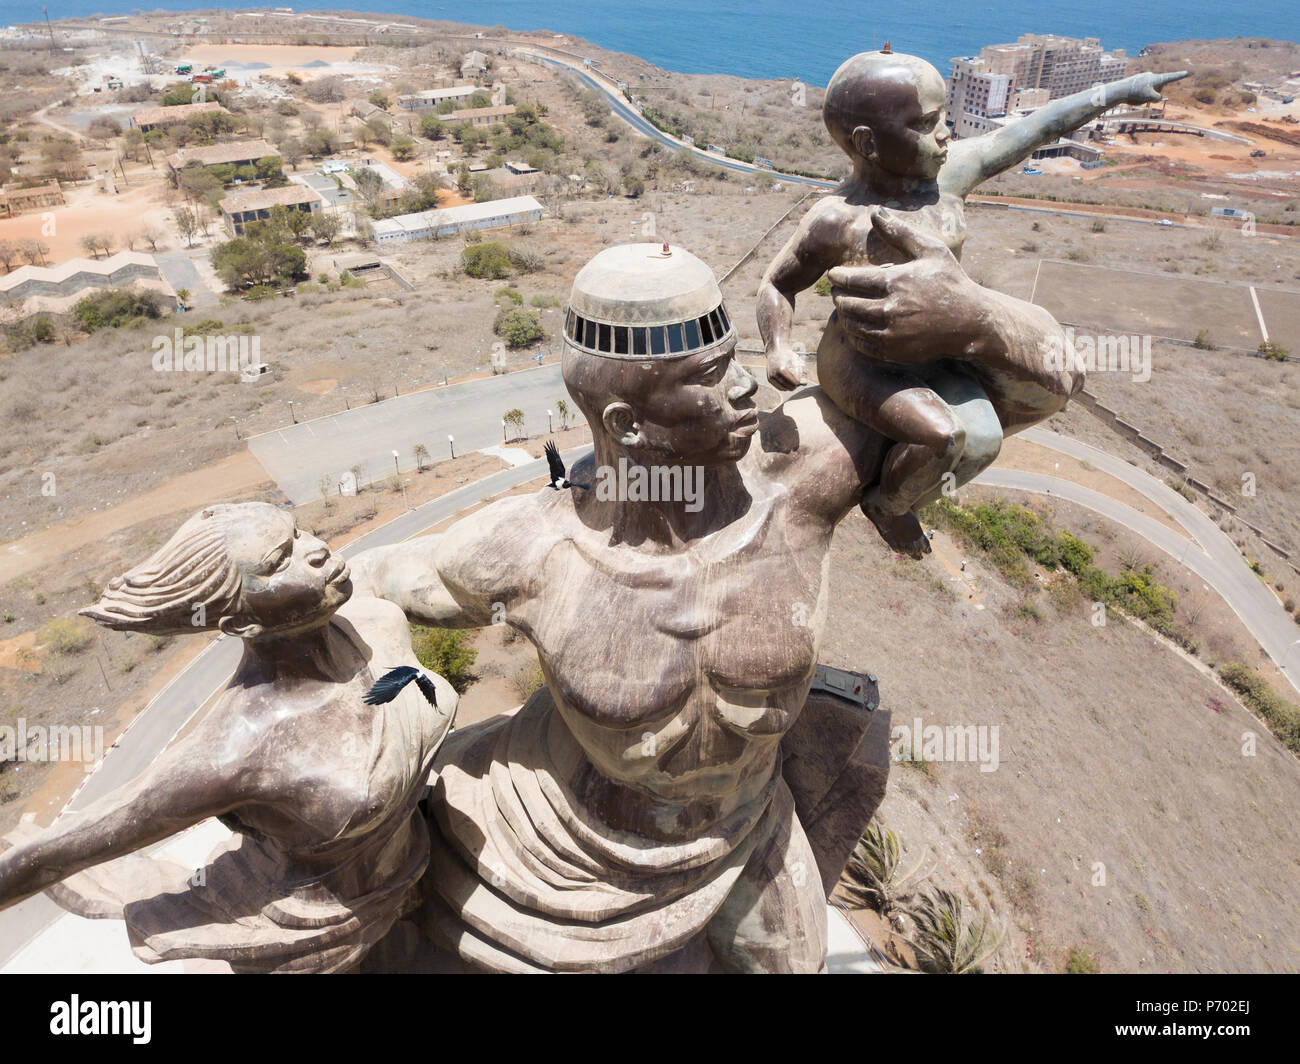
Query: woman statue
x=320, y=789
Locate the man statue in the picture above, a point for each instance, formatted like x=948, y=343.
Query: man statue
x=634, y=811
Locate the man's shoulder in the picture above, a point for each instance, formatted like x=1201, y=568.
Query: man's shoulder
x=510, y=530
x=821, y=454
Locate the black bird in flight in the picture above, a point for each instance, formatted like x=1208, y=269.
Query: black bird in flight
x=388, y=686
x=558, y=479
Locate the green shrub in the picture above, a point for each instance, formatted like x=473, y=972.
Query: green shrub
x=519, y=327
x=512, y=294
x=114, y=308
x=444, y=651
x=1281, y=716
x=66, y=635
x=1082, y=962
x=489, y=260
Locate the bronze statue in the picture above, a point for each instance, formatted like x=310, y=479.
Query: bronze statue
x=635, y=811
x=320, y=789
x=947, y=414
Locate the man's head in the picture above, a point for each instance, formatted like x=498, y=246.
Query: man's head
x=648, y=359
x=885, y=111
x=694, y=409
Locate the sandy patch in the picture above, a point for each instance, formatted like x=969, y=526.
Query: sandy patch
x=226, y=479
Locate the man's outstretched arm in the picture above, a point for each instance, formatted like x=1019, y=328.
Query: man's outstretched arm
x=456, y=578
x=976, y=159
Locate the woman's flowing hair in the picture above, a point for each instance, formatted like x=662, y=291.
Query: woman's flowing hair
x=192, y=569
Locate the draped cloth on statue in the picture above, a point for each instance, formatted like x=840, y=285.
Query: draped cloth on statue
x=252, y=906
x=281, y=894
x=525, y=878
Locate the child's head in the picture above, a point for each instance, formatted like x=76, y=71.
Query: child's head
x=886, y=110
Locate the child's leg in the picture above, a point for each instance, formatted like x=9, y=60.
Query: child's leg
x=900, y=405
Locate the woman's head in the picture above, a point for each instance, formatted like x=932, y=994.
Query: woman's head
x=243, y=568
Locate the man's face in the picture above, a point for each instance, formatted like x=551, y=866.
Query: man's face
x=699, y=409
x=910, y=138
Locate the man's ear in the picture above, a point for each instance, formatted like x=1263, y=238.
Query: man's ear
x=239, y=629
x=619, y=420
x=863, y=142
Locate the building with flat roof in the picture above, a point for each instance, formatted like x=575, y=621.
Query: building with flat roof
x=240, y=208
x=161, y=117
x=482, y=116
x=993, y=82
x=426, y=98
x=426, y=225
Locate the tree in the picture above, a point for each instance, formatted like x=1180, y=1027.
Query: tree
x=378, y=130
x=62, y=156
x=104, y=129
x=519, y=327
x=514, y=420
x=247, y=261
x=379, y=100
x=34, y=251
x=488, y=260
x=188, y=224
x=369, y=184
x=403, y=148
x=325, y=226
x=8, y=254
x=292, y=151
x=421, y=456
x=562, y=408
x=633, y=185
x=446, y=652
x=319, y=142
x=90, y=244
x=269, y=166
x=433, y=127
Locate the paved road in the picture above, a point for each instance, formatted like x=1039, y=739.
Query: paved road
x=297, y=456
x=154, y=727
x=629, y=114
x=179, y=269
x=1218, y=561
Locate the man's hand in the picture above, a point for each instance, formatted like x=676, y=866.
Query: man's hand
x=1145, y=88
x=916, y=311
x=786, y=369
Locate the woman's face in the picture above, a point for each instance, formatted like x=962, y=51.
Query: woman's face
x=290, y=578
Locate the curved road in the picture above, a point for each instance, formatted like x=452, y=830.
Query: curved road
x=629, y=114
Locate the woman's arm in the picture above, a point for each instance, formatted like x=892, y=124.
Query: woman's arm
x=187, y=784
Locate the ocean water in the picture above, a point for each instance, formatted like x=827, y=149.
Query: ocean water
x=805, y=40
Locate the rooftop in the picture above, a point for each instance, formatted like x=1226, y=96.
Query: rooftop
x=226, y=152
x=156, y=116
x=262, y=198
x=469, y=212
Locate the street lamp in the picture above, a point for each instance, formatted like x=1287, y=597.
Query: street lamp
x=404, y=483
x=503, y=430
x=395, y=467
x=549, y=429
x=451, y=442
x=292, y=415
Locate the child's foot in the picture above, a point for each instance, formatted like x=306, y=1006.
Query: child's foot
x=903, y=532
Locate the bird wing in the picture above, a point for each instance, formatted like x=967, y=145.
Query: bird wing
x=425, y=682
x=388, y=686
x=554, y=461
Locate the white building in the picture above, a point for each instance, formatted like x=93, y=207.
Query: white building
x=1035, y=69
x=427, y=225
